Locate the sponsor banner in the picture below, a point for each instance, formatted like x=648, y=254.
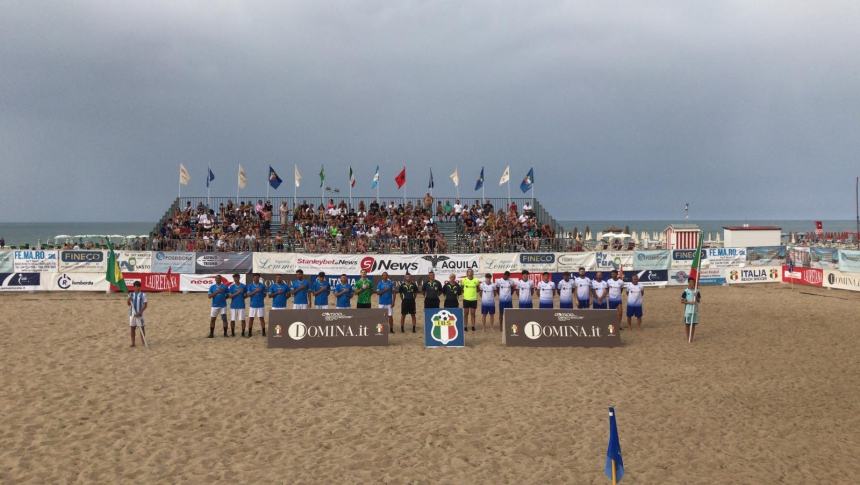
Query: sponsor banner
x=648, y=277
x=443, y=327
x=683, y=258
x=82, y=261
x=799, y=256
x=656, y=259
x=151, y=282
x=442, y=264
x=327, y=328
x=561, y=328
x=609, y=260
x=725, y=257
x=175, y=262
x=74, y=282
x=754, y=274
x=823, y=258
x=765, y=255
x=712, y=276
x=135, y=261
x=35, y=261
x=573, y=261
x=223, y=262
x=516, y=262
x=275, y=263
x=202, y=282
x=20, y=281
x=802, y=276
x=849, y=261
x=679, y=277
x=7, y=261
x=843, y=281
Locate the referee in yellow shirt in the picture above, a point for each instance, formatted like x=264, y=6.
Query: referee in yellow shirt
x=470, y=297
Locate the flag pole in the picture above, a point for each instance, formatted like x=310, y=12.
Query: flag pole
x=295, y=185
x=695, y=315
x=509, y=191
x=237, y=188
x=857, y=208
x=457, y=170
x=614, y=481
x=208, y=201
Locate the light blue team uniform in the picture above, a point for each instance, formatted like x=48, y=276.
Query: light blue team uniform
x=565, y=294
x=237, y=302
x=525, y=289
x=343, y=300
x=300, y=294
x=258, y=300
x=615, y=288
x=219, y=301
x=279, y=299
x=321, y=300
x=137, y=300
x=691, y=316
x=583, y=290
x=488, y=294
x=386, y=296
x=505, y=294
x=634, y=299
x=599, y=288
x=546, y=290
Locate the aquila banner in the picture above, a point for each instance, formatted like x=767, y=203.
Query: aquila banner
x=419, y=264
x=561, y=328
x=443, y=327
x=295, y=329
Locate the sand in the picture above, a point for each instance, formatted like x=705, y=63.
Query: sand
x=767, y=393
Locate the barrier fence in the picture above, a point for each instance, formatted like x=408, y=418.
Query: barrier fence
x=84, y=270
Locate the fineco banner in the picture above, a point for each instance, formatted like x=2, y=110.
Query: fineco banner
x=683, y=258
x=35, y=261
x=766, y=255
x=202, y=282
x=753, y=274
x=561, y=328
x=841, y=280
x=82, y=261
x=571, y=262
x=20, y=281
x=657, y=259
x=726, y=257
x=135, y=261
x=75, y=282
x=175, y=262
x=823, y=257
x=849, y=261
x=7, y=261
x=223, y=262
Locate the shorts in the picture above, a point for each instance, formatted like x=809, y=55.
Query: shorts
x=300, y=306
x=237, y=312
x=691, y=318
x=431, y=305
x=407, y=307
x=363, y=305
x=451, y=304
x=217, y=310
x=503, y=305
x=613, y=304
x=321, y=307
x=567, y=305
x=387, y=307
x=581, y=303
x=545, y=304
x=470, y=303
x=257, y=312
x=279, y=308
x=600, y=306
x=634, y=311
x=526, y=304
x=488, y=309
x=135, y=321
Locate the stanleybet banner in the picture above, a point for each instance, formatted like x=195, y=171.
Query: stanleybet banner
x=443, y=327
x=561, y=328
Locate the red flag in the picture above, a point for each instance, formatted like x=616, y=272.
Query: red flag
x=400, y=179
x=697, y=260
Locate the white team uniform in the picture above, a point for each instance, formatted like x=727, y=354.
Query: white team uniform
x=237, y=314
x=137, y=302
x=615, y=287
x=488, y=293
x=504, y=287
x=634, y=294
x=565, y=291
x=583, y=287
x=256, y=312
x=546, y=289
x=525, y=289
x=217, y=310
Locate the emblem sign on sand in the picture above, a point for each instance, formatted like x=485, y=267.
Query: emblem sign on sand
x=443, y=327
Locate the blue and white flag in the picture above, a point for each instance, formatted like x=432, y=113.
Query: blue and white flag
x=209, y=178
x=613, y=451
x=528, y=181
x=375, y=182
x=480, y=182
x=274, y=180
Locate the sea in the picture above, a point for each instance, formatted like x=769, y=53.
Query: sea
x=33, y=233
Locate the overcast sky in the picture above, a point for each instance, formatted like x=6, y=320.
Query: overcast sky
x=746, y=109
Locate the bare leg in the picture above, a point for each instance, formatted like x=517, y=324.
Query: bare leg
x=132, y=336
x=629, y=323
x=212, y=327
x=639, y=323
x=402, y=321
x=250, y=326
x=412, y=316
x=263, y=325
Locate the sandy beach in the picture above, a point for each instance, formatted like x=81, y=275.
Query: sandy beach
x=767, y=393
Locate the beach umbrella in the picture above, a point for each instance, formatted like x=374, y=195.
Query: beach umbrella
x=62, y=236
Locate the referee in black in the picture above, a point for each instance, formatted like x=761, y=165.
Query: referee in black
x=431, y=289
x=408, y=289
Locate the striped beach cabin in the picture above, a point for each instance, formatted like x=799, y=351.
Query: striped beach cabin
x=682, y=236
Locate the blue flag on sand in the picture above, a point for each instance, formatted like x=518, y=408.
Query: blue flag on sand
x=613, y=451
x=528, y=181
x=274, y=180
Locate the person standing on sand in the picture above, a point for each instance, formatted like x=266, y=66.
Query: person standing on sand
x=218, y=295
x=385, y=290
x=342, y=293
x=598, y=292
x=616, y=286
x=364, y=290
x=257, y=294
x=565, y=291
x=408, y=289
x=431, y=289
x=690, y=298
x=525, y=290
x=279, y=291
x=505, y=287
x=635, y=301
x=300, y=291
x=237, y=304
x=137, y=305
x=470, y=285
x=488, y=301
x=452, y=290
x=583, y=288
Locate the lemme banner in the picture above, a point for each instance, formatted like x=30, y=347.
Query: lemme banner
x=561, y=328
x=293, y=329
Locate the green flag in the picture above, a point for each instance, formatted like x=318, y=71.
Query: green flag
x=114, y=275
x=322, y=175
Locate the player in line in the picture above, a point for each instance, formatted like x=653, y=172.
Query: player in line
x=300, y=288
x=505, y=288
x=218, y=295
x=470, y=298
x=690, y=298
x=321, y=289
x=583, y=288
x=364, y=290
x=598, y=292
x=565, y=291
x=279, y=292
x=407, y=290
x=525, y=289
x=257, y=293
x=616, y=286
x=342, y=293
x=488, y=301
x=635, y=301
x=385, y=290
x=237, y=304
x=546, y=291
x=431, y=289
x=136, y=306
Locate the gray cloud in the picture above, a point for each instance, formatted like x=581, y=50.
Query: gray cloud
x=625, y=109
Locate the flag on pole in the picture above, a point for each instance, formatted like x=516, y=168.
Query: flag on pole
x=114, y=273
x=400, y=179
x=431, y=184
x=209, y=178
x=479, y=184
x=697, y=259
x=243, y=181
x=351, y=178
x=528, y=181
x=614, y=468
x=506, y=176
x=455, y=177
x=297, y=176
x=322, y=175
x=184, y=176
x=375, y=182
x=274, y=180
